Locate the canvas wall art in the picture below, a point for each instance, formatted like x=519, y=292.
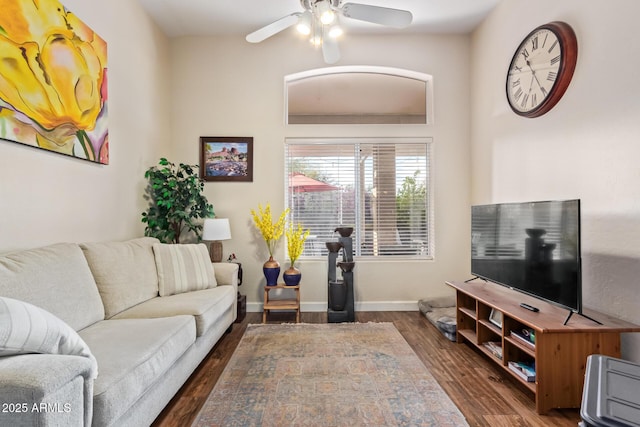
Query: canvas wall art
x=53, y=80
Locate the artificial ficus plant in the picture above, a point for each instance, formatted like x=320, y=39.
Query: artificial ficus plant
x=176, y=201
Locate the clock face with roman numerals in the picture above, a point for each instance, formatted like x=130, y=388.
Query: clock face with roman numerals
x=541, y=69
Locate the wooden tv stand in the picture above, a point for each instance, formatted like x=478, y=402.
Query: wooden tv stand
x=560, y=351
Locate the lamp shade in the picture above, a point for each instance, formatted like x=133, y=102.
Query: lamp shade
x=216, y=229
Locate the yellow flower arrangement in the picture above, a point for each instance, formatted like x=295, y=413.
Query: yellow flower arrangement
x=271, y=232
x=295, y=241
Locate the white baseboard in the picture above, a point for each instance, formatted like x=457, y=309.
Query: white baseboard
x=256, y=307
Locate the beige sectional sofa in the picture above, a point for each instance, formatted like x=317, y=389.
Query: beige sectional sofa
x=105, y=334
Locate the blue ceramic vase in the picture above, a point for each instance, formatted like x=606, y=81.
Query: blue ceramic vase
x=292, y=276
x=271, y=270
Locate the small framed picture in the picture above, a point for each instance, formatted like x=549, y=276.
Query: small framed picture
x=496, y=317
x=226, y=158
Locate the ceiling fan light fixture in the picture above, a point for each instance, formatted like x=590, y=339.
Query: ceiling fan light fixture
x=328, y=17
x=320, y=23
x=316, y=40
x=335, y=31
x=326, y=14
x=304, y=23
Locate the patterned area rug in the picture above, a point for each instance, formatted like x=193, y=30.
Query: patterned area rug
x=347, y=374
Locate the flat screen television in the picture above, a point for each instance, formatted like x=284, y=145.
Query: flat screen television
x=532, y=247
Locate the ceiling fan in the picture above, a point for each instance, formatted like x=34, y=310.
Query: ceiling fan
x=320, y=21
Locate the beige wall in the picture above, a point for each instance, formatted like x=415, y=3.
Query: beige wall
x=228, y=87
x=586, y=147
x=165, y=94
x=47, y=197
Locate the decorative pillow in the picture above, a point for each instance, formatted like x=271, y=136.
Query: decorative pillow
x=183, y=268
x=25, y=328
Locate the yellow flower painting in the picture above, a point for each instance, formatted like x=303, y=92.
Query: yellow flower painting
x=53, y=80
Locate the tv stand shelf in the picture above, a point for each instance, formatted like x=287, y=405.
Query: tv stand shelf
x=560, y=351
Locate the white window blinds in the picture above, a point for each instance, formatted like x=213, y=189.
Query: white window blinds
x=381, y=187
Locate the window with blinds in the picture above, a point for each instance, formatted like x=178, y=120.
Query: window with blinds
x=381, y=187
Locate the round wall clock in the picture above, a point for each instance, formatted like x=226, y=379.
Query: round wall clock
x=541, y=69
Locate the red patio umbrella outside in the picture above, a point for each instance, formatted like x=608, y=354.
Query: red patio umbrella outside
x=301, y=183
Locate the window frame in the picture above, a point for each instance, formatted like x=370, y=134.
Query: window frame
x=355, y=141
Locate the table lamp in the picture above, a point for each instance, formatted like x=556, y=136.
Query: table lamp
x=215, y=230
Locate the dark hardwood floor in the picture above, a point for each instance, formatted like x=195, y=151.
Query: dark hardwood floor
x=485, y=395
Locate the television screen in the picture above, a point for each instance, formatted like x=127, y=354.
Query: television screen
x=533, y=247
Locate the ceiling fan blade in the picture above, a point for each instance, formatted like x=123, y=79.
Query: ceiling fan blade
x=273, y=28
x=395, y=18
x=330, y=50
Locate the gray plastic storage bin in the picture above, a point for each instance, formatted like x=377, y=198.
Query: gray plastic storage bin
x=611, y=394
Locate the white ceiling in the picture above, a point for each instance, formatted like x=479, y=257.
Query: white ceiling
x=240, y=17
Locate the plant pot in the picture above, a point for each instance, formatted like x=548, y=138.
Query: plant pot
x=271, y=270
x=292, y=276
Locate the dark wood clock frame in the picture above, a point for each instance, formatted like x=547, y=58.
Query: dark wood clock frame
x=569, y=48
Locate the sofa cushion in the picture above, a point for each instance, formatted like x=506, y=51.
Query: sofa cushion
x=132, y=355
x=206, y=306
x=55, y=278
x=25, y=328
x=183, y=268
x=125, y=272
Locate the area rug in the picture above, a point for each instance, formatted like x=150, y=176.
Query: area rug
x=346, y=374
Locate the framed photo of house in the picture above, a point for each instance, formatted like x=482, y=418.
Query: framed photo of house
x=226, y=158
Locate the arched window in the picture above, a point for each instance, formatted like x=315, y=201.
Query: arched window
x=358, y=95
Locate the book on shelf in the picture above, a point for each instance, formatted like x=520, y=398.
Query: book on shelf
x=526, y=371
x=525, y=337
x=494, y=348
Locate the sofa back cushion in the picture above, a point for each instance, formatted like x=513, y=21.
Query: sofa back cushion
x=183, y=268
x=55, y=278
x=125, y=272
